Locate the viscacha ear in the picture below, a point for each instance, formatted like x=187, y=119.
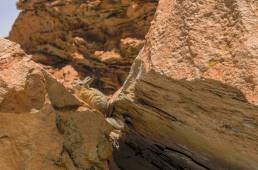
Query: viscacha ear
x=88, y=80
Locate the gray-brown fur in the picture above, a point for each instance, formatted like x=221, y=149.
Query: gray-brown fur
x=92, y=96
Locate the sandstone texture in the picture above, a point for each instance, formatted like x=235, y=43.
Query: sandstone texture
x=190, y=101
x=43, y=125
x=100, y=38
x=191, y=98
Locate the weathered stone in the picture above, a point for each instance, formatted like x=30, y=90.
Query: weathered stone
x=102, y=36
x=191, y=99
x=30, y=133
x=22, y=84
x=67, y=75
x=59, y=95
x=86, y=146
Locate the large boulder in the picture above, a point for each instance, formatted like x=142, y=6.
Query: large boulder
x=42, y=125
x=191, y=98
x=100, y=38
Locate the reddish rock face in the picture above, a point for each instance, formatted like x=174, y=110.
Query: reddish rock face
x=42, y=125
x=99, y=38
x=191, y=98
x=22, y=83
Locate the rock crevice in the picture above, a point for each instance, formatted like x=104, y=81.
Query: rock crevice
x=190, y=100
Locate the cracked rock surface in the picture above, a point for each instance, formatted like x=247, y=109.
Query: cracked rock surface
x=42, y=125
x=191, y=98
x=190, y=101
x=100, y=38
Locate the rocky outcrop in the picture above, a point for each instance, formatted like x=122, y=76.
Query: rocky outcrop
x=191, y=98
x=100, y=38
x=43, y=125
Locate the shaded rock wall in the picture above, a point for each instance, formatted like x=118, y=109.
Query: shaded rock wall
x=101, y=36
x=191, y=98
x=43, y=125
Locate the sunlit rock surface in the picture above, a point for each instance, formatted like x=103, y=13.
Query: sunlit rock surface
x=191, y=98
x=100, y=38
x=42, y=125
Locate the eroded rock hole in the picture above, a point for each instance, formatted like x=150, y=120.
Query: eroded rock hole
x=75, y=39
